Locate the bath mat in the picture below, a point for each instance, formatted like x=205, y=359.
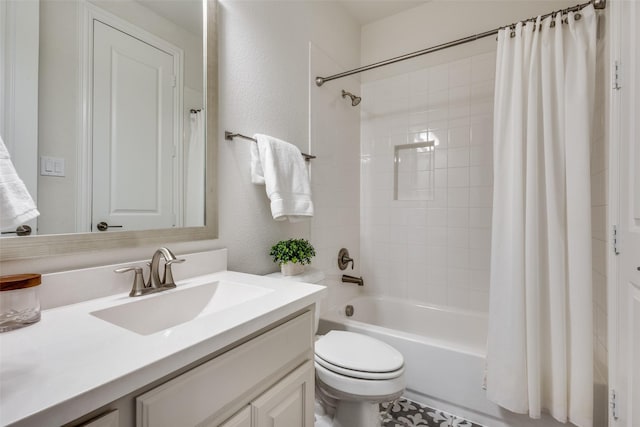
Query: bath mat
x=406, y=413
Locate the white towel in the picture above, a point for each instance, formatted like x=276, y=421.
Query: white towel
x=16, y=205
x=280, y=167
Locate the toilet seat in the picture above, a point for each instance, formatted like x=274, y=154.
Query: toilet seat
x=342, y=387
x=359, y=356
x=358, y=373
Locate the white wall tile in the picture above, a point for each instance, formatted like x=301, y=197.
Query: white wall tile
x=458, y=177
x=459, y=137
x=480, y=238
x=458, y=217
x=436, y=251
x=418, y=235
x=483, y=67
x=439, y=77
x=419, y=80
x=458, y=297
x=458, y=157
x=441, y=158
x=437, y=217
x=437, y=295
x=479, y=301
x=460, y=73
x=480, y=217
x=480, y=259
x=458, y=197
x=481, y=197
x=458, y=237
x=480, y=176
x=481, y=155
x=437, y=236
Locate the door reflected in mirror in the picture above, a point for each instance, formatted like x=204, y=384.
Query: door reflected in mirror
x=118, y=104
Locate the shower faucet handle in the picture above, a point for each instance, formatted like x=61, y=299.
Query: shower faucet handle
x=344, y=259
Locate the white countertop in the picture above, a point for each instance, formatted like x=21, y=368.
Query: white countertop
x=72, y=362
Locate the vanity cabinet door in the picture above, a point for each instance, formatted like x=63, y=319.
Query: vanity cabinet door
x=241, y=419
x=290, y=403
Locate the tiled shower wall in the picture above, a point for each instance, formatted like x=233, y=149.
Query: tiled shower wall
x=434, y=248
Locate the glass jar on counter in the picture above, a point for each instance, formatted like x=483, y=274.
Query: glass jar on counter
x=19, y=301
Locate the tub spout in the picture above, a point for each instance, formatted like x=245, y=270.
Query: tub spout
x=350, y=279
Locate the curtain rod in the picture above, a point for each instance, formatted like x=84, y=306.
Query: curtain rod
x=230, y=135
x=597, y=4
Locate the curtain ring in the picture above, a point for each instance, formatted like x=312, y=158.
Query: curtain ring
x=577, y=16
x=553, y=24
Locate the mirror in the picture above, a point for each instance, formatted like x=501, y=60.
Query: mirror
x=101, y=122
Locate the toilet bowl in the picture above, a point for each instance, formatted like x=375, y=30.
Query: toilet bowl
x=354, y=372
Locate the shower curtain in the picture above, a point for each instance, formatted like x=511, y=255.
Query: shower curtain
x=539, y=353
x=195, y=167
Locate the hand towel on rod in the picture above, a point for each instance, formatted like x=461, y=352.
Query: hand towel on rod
x=279, y=165
x=16, y=205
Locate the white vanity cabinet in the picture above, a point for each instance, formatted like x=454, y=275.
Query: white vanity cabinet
x=267, y=381
x=288, y=403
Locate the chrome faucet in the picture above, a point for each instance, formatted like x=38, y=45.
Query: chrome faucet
x=155, y=284
x=139, y=287
x=350, y=279
x=167, y=278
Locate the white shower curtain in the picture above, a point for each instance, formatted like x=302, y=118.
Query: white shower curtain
x=539, y=354
x=195, y=170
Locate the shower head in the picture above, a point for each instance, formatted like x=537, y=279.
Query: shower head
x=355, y=100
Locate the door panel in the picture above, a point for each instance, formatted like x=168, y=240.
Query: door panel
x=626, y=330
x=133, y=132
x=288, y=403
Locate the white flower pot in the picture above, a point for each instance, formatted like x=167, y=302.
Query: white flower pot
x=291, y=269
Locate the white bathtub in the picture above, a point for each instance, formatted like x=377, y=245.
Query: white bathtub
x=444, y=353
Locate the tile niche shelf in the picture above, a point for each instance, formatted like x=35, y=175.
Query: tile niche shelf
x=414, y=171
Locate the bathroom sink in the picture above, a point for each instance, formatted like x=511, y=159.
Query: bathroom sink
x=166, y=309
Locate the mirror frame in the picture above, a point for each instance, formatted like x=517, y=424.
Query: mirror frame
x=12, y=248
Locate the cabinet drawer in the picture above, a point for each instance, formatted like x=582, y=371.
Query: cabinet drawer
x=201, y=392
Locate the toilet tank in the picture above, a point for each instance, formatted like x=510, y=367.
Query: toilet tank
x=310, y=275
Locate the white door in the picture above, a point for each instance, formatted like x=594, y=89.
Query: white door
x=133, y=132
x=626, y=326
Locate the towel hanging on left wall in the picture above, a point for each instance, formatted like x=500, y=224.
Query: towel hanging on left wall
x=279, y=165
x=16, y=205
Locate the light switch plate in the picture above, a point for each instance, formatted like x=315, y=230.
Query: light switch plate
x=51, y=166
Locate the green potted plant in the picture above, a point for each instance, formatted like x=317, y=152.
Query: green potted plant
x=292, y=255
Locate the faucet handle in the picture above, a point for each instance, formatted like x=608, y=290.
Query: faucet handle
x=139, y=287
x=344, y=259
x=168, y=274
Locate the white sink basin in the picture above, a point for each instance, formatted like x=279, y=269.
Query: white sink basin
x=166, y=309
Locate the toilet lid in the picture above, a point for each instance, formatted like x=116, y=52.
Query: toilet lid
x=358, y=352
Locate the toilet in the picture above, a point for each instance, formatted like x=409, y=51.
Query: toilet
x=354, y=372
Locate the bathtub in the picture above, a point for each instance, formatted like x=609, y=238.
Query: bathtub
x=444, y=351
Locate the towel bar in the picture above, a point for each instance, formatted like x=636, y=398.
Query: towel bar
x=230, y=135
